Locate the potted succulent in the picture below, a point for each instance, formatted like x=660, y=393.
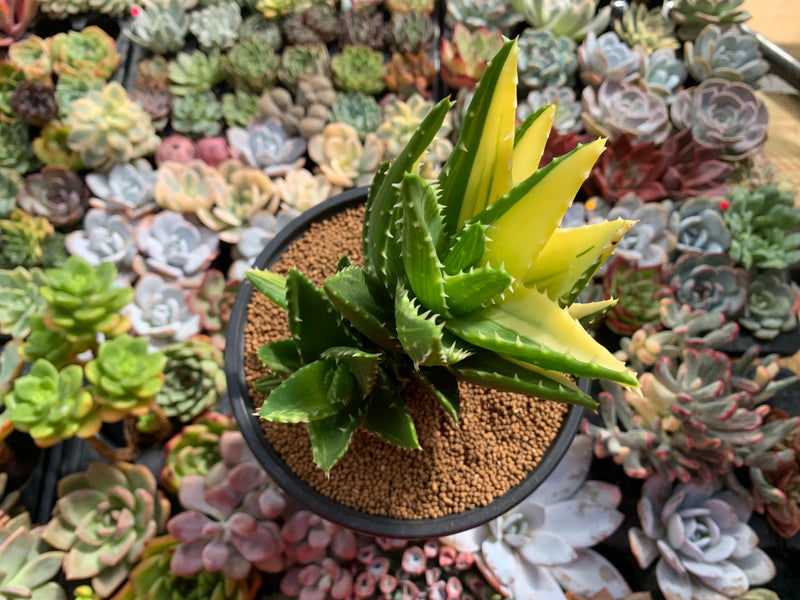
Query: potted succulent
x=464, y=279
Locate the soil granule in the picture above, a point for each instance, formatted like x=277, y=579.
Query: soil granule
x=499, y=439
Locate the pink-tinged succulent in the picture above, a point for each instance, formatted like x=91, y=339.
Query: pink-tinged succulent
x=465, y=56
x=229, y=522
x=212, y=301
x=639, y=291
x=159, y=312
x=724, y=114
x=174, y=247
x=629, y=167
x=343, y=159
x=194, y=449
x=103, y=518
x=324, y=579
x=56, y=194
x=694, y=169
x=15, y=17
x=105, y=237
x=701, y=539
x=188, y=187
x=213, y=150
x=248, y=192
x=650, y=241
x=175, y=148
x=266, y=145
x=32, y=56
x=301, y=189
x=544, y=544
x=617, y=107
x=127, y=188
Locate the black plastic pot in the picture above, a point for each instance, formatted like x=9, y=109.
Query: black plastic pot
x=369, y=523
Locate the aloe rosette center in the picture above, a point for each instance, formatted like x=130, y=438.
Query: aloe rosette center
x=466, y=277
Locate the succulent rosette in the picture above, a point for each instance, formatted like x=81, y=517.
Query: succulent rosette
x=188, y=187
x=55, y=193
x=464, y=57
x=649, y=242
x=34, y=103
x=341, y=156
x=103, y=519
x=546, y=60
x=723, y=114
x=617, y=107
x=574, y=18
x=607, y=58
x=699, y=225
x=20, y=299
x=159, y=312
x=90, y=52
x=728, y=54
x=266, y=145
x=359, y=69
x=28, y=568
x=126, y=188
x=709, y=282
x=700, y=536
x=639, y=290
x=771, y=307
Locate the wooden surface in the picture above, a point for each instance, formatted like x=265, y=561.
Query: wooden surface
x=779, y=20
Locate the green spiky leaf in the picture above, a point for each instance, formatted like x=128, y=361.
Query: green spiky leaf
x=420, y=259
x=331, y=437
x=467, y=251
x=363, y=365
x=343, y=387
x=470, y=290
x=362, y=300
x=303, y=396
x=280, y=357
x=314, y=322
x=388, y=416
x=420, y=335
x=272, y=285
x=443, y=385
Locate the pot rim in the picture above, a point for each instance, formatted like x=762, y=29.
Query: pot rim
x=278, y=470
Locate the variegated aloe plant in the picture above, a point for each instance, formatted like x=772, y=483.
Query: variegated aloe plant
x=467, y=277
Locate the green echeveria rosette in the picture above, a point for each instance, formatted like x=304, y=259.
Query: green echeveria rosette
x=10, y=183
x=195, y=449
x=195, y=72
x=197, y=115
x=253, y=65
x=27, y=241
x=410, y=32
x=239, y=108
x=494, y=14
x=709, y=282
x=15, y=147
x=89, y=52
x=217, y=25
x=771, y=307
x=125, y=377
x=28, y=566
x=639, y=290
x=194, y=380
x=83, y=301
x=762, y=224
x=10, y=77
x=692, y=15
x=103, y=519
x=573, y=18
x=360, y=111
x=646, y=27
x=20, y=299
x=359, y=69
x=301, y=62
x=51, y=405
x=730, y=54
x=153, y=579
x=546, y=60
x=160, y=27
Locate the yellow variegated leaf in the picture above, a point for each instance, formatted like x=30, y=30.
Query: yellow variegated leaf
x=518, y=236
x=572, y=255
x=529, y=142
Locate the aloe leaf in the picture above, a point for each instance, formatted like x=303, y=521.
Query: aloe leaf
x=571, y=256
x=363, y=365
x=388, y=416
x=280, y=357
x=489, y=369
x=343, y=386
x=343, y=263
x=521, y=223
x=314, y=322
x=362, y=300
x=467, y=251
x=478, y=172
x=588, y=314
x=331, y=437
x=530, y=327
x=420, y=335
x=272, y=285
x=530, y=139
x=420, y=259
x=468, y=291
x=443, y=385
x=266, y=384
x=303, y=396
x=381, y=250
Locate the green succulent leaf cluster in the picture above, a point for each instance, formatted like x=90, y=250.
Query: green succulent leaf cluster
x=90, y=52
x=359, y=69
x=160, y=27
x=28, y=242
x=252, y=64
x=20, y=299
x=50, y=405
x=191, y=73
x=197, y=115
x=82, y=301
x=28, y=567
x=466, y=277
x=125, y=376
x=15, y=147
x=761, y=222
x=216, y=26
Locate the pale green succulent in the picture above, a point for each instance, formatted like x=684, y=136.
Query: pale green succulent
x=692, y=15
x=216, y=26
x=15, y=147
x=279, y=8
x=359, y=69
x=32, y=56
x=90, y=52
x=259, y=29
x=359, y=111
x=10, y=183
x=414, y=307
x=494, y=14
x=198, y=115
x=300, y=62
x=730, y=54
x=546, y=60
x=103, y=519
x=74, y=87
x=572, y=18
x=648, y=28
x=771, y=307
x=19, y=299
x=239, y=108
x=160, y=27
x=253, y=65
x=195, y=72
x=106, y=127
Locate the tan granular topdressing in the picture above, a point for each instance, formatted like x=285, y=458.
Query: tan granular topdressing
x=499, y=439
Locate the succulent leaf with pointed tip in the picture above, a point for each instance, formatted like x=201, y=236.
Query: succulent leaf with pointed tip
x=429, y=245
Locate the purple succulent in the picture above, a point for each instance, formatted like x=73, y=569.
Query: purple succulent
x=174, y=247
x=617, y=107
x=723, y=114
x=710, y=282
x=55, y=193
x=266, y=145
x=607, y=58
